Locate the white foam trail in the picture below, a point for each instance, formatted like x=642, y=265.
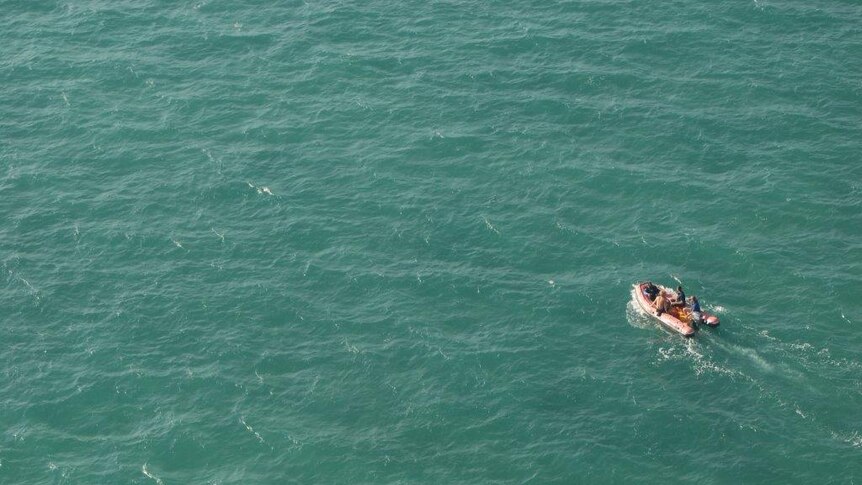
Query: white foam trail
x=150, y=475
x=754, y=356
x=691, y=349
x=747, y=352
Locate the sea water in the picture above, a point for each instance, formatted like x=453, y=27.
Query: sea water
x=394, y=242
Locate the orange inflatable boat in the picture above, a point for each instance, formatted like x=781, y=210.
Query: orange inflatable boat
x=676, y=319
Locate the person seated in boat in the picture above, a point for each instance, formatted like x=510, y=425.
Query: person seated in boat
x=696, y=314
x=651, y=290
x=662, y=305
x=679, y=300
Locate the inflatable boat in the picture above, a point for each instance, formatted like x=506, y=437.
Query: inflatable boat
x=678, y=318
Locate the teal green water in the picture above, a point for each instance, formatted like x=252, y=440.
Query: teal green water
x=394, y=242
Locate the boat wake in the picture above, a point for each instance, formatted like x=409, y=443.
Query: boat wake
x=692, y=352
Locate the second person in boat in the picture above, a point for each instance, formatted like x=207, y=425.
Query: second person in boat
x=679, y=300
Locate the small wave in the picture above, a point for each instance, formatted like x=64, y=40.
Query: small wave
x=260, y=189
x=635, y=315
x=251, y=430
x=490, y=226
x=765, y=334
x=803, y=347
x=351, y=348
x=854, y=439
x=150, y=475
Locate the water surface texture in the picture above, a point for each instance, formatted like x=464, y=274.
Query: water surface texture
x=394, y=242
